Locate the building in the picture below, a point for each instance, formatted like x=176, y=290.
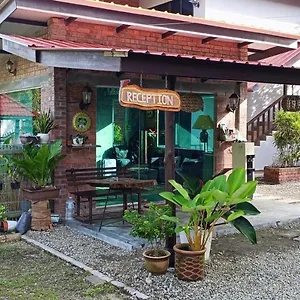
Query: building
x=80, y=45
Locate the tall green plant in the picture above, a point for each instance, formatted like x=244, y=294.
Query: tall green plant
x=287, y=137
x=44, y=123
x=220, y=198
x=38, y=163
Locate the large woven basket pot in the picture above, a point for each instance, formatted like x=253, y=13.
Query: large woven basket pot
x=189, y=265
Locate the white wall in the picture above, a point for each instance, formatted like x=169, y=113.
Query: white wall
x=282, y=15
x=261, y=99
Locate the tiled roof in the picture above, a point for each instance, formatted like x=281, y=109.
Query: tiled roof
x=56, y=45
x=286, y=59
x=10, y=107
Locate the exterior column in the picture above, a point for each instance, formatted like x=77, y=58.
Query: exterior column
x=170, y=161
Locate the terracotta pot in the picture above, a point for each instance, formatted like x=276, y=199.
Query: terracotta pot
x=41, y=194
x=157, y=265
x=189, y=265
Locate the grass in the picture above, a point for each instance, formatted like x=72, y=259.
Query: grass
x=30, y=273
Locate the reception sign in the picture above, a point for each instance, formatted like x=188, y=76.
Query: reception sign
x=148, y=99
x=291, y=103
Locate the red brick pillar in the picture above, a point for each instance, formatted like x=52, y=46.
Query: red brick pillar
x=54, y=97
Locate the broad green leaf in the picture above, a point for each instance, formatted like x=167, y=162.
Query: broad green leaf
x=245, y=227
x=219, y=195
x=171, y=219
x=208, y=186
x=247, y=189
x=191, y=183
x=179, y=229
x=235, y=215
x=235, y=180
x=180, y=189
x=239, y=200
x=220, y=183
x=247, y=207
x=167, y=195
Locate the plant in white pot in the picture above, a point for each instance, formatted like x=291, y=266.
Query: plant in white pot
x=220, y=198
x=43, y=124
x=152, y=227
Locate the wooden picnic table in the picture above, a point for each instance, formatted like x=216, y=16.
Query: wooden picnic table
x=127, y=185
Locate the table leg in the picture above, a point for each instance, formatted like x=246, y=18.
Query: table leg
x=139, y=203
x=125, y=200
x=90, y=209
x=78, y=205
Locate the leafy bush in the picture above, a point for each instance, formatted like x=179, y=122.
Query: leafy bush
x=2, y=212
x=151, y=226
x=39, y=162
x=287, y=138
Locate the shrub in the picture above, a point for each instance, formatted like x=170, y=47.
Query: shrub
x=287, y=138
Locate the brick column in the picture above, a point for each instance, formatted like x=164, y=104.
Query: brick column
x=54, y=97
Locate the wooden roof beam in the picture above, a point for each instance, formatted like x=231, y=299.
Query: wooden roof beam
x=267, y=53
x=208, y=39
x=70, y=20
x=243, y=44
x=122, y=28
x=167, y=34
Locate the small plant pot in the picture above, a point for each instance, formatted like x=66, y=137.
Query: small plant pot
x=189, y=265
x=7, y=226
x=44, y=138
x=157, y=265
x=15, y=185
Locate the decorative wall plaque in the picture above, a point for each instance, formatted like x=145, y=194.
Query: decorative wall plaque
x=82, y=122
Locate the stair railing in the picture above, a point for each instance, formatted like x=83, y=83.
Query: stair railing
x=263, y=123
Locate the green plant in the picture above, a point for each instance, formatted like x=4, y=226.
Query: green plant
x=38, y=163
x=219, y=198
x=287, y=137
x=151, y=226
x=43, y=123
x=2, y=212
x=118, y=135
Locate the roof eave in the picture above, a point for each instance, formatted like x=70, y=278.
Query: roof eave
x=104, y=13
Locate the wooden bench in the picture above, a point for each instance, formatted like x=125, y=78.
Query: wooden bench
x=77, y=179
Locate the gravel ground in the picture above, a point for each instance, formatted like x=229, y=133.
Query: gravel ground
x=238, y=270
x=288, y=190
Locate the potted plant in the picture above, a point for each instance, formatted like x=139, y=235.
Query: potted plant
x=37, y=165
x=287, y=142
x=43, y=124
x=152, y=227
x=13, y=172
x=220, y=198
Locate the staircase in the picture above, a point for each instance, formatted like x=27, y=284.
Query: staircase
x=262, y=125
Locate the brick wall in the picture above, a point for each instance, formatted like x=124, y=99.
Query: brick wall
x=25, y=68
x=131, y=38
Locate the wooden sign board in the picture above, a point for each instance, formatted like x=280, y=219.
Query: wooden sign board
x=291, y=103
x=149, y=99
